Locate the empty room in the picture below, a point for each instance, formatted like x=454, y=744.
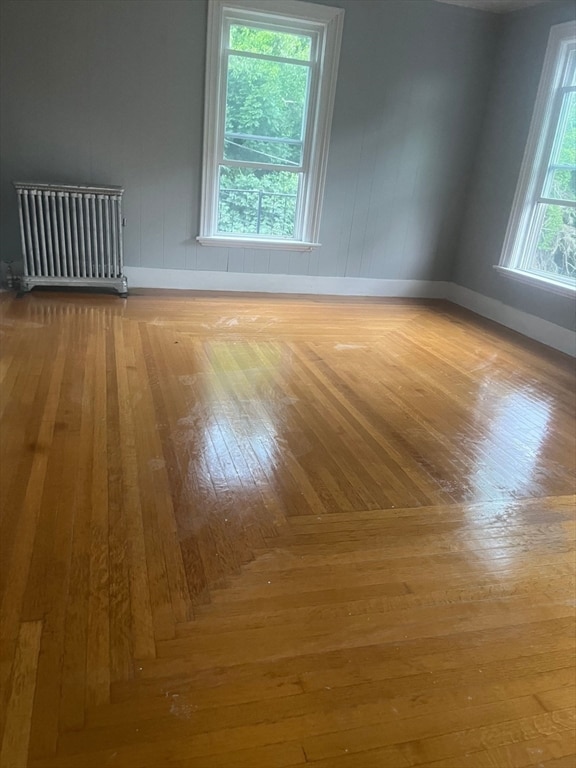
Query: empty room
x=287, y=375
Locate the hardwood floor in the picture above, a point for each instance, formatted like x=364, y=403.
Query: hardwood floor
x=254, y=531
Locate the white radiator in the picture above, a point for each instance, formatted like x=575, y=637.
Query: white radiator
x=71, y=235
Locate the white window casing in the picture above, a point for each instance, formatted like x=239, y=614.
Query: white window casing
x=556, y=89
x=323, y=25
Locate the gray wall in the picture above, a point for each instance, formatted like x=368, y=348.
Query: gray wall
x=112, y=92
x=523, y=37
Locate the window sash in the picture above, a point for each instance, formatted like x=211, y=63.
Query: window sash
x=556, y=201
x=556, y=131
x=260, y=166
x=261, y=194
x=249, y=20
x=256, y=164
x=305, y=132
x=266, y=56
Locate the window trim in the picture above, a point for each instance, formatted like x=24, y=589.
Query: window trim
x=538, y=148
x=326, y=22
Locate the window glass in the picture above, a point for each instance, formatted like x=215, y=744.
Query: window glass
x=269, y=42
x=554, y=251
x=257, y=202
x=265, y=111
x=561, y=181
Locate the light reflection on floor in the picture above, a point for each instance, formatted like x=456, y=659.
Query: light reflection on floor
x=507, y=465
x=515, y=428
x=234, y=415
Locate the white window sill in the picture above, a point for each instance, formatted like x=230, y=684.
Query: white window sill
x=245, y=242
x=548, y=284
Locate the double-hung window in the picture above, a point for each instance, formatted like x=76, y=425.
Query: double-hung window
x=540, y=245
x=270, y=83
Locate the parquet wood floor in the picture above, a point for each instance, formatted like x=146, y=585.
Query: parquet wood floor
x=264, y=531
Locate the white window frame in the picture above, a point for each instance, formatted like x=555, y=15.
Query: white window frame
x=521, y=230
x=324, y=23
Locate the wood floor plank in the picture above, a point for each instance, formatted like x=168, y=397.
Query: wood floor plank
x=134, y=546
x=426, y=726
x=406, y=695
x=561, y=762
x=14, y=752
x=558, y=698
x=20, y=555
x=51, y=594
x=98, y=604
x=73, y=684
x=514, y=744
x=120, y=624
x=506, y=648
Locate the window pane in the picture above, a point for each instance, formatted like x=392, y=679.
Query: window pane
x=257, y=202
x=243, y=148
x=561, y=183
x=265, y=99
x=270, y=43
x=566, y=152
x=555, y=252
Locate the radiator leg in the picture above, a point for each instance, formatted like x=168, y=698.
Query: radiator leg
x=123, y=290
x=24, y=286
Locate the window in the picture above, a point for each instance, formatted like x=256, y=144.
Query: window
x=540, y=245
x=270, y=82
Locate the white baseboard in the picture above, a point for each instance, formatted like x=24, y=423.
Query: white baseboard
x=534, y=327
x=201, y=280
